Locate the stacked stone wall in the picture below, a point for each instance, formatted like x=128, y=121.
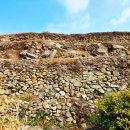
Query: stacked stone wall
x=56, y=89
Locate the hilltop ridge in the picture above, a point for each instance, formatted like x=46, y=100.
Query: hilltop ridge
x=52, y=45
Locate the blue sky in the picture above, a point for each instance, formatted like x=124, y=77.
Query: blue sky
x=64, y=16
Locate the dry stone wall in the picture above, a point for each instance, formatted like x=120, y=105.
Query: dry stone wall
x=57, y=90
x=62, y=86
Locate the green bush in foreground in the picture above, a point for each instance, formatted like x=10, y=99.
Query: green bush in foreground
x=113, y=111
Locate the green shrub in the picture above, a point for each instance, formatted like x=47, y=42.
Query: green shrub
x=113, y=111
x=39, y=120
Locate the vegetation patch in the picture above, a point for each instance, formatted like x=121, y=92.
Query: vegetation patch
x=113, y=111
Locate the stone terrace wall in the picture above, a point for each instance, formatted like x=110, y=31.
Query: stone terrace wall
x=62, y=86
x=59, y=89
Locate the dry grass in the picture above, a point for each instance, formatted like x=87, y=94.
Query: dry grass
x=7, y=121
x=77, y=52
x=27, y=97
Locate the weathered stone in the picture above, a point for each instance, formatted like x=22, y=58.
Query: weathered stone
x=53, y=54
x=66, y=89
x=62, y=93
x=85, y=72
x=37, y=51
x=46, y=106
x=59, y=107
x=53, y=108
x=78, y=94
x=77, y=84
x=114, y=86
x=109, y=89
x=108, y=72
x=81, y=89
x=69, y=104
x=7, y=92
x=57, y=95
x=2, y=91
x=26, y=54
x=84, y=125
x=70, y=119
x=99, y=73
x=24, y=88
x=29, y=128
x=84, y=96
x=42, y=95
x=68, y=114
x=102, y=49
x=103, y=70
x=95, y=86
x=46, y=53
x=101, y=91
x=116, y=73
x=57, y=89
x=114, y=78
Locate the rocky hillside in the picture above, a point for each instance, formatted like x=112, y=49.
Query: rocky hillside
x=59, y=76
x=47, y=45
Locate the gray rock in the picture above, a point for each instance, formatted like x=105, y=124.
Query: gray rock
x=70, y=119
x=60, y=119
x=84, y=125
x=53, y=108
x=46, y=54
x=78, y=94
x=7, y=92
x=59, y=107
x=102, y=49
x=109, y=89
x=85, y=72
x=55, y=86
x=26, y=54
x=2, y=91
x=77, y=83
x=53, y=54
x=57, y=95
x=37, y=51
x=62, y=93
x=81, y=89
x=72, y=93
x=42, y=95
x=84, y=96
x=46, y=105
x=57, y=89
x=24, y=88
x=66, y=89
x=57, y=45
x=101, y=91
x=116, y=73
x=114, y=86
x=29, y=128
x=103, y=70
x=95, y=86
x=108, y=72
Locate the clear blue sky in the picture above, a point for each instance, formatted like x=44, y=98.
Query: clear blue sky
x=64, y=16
